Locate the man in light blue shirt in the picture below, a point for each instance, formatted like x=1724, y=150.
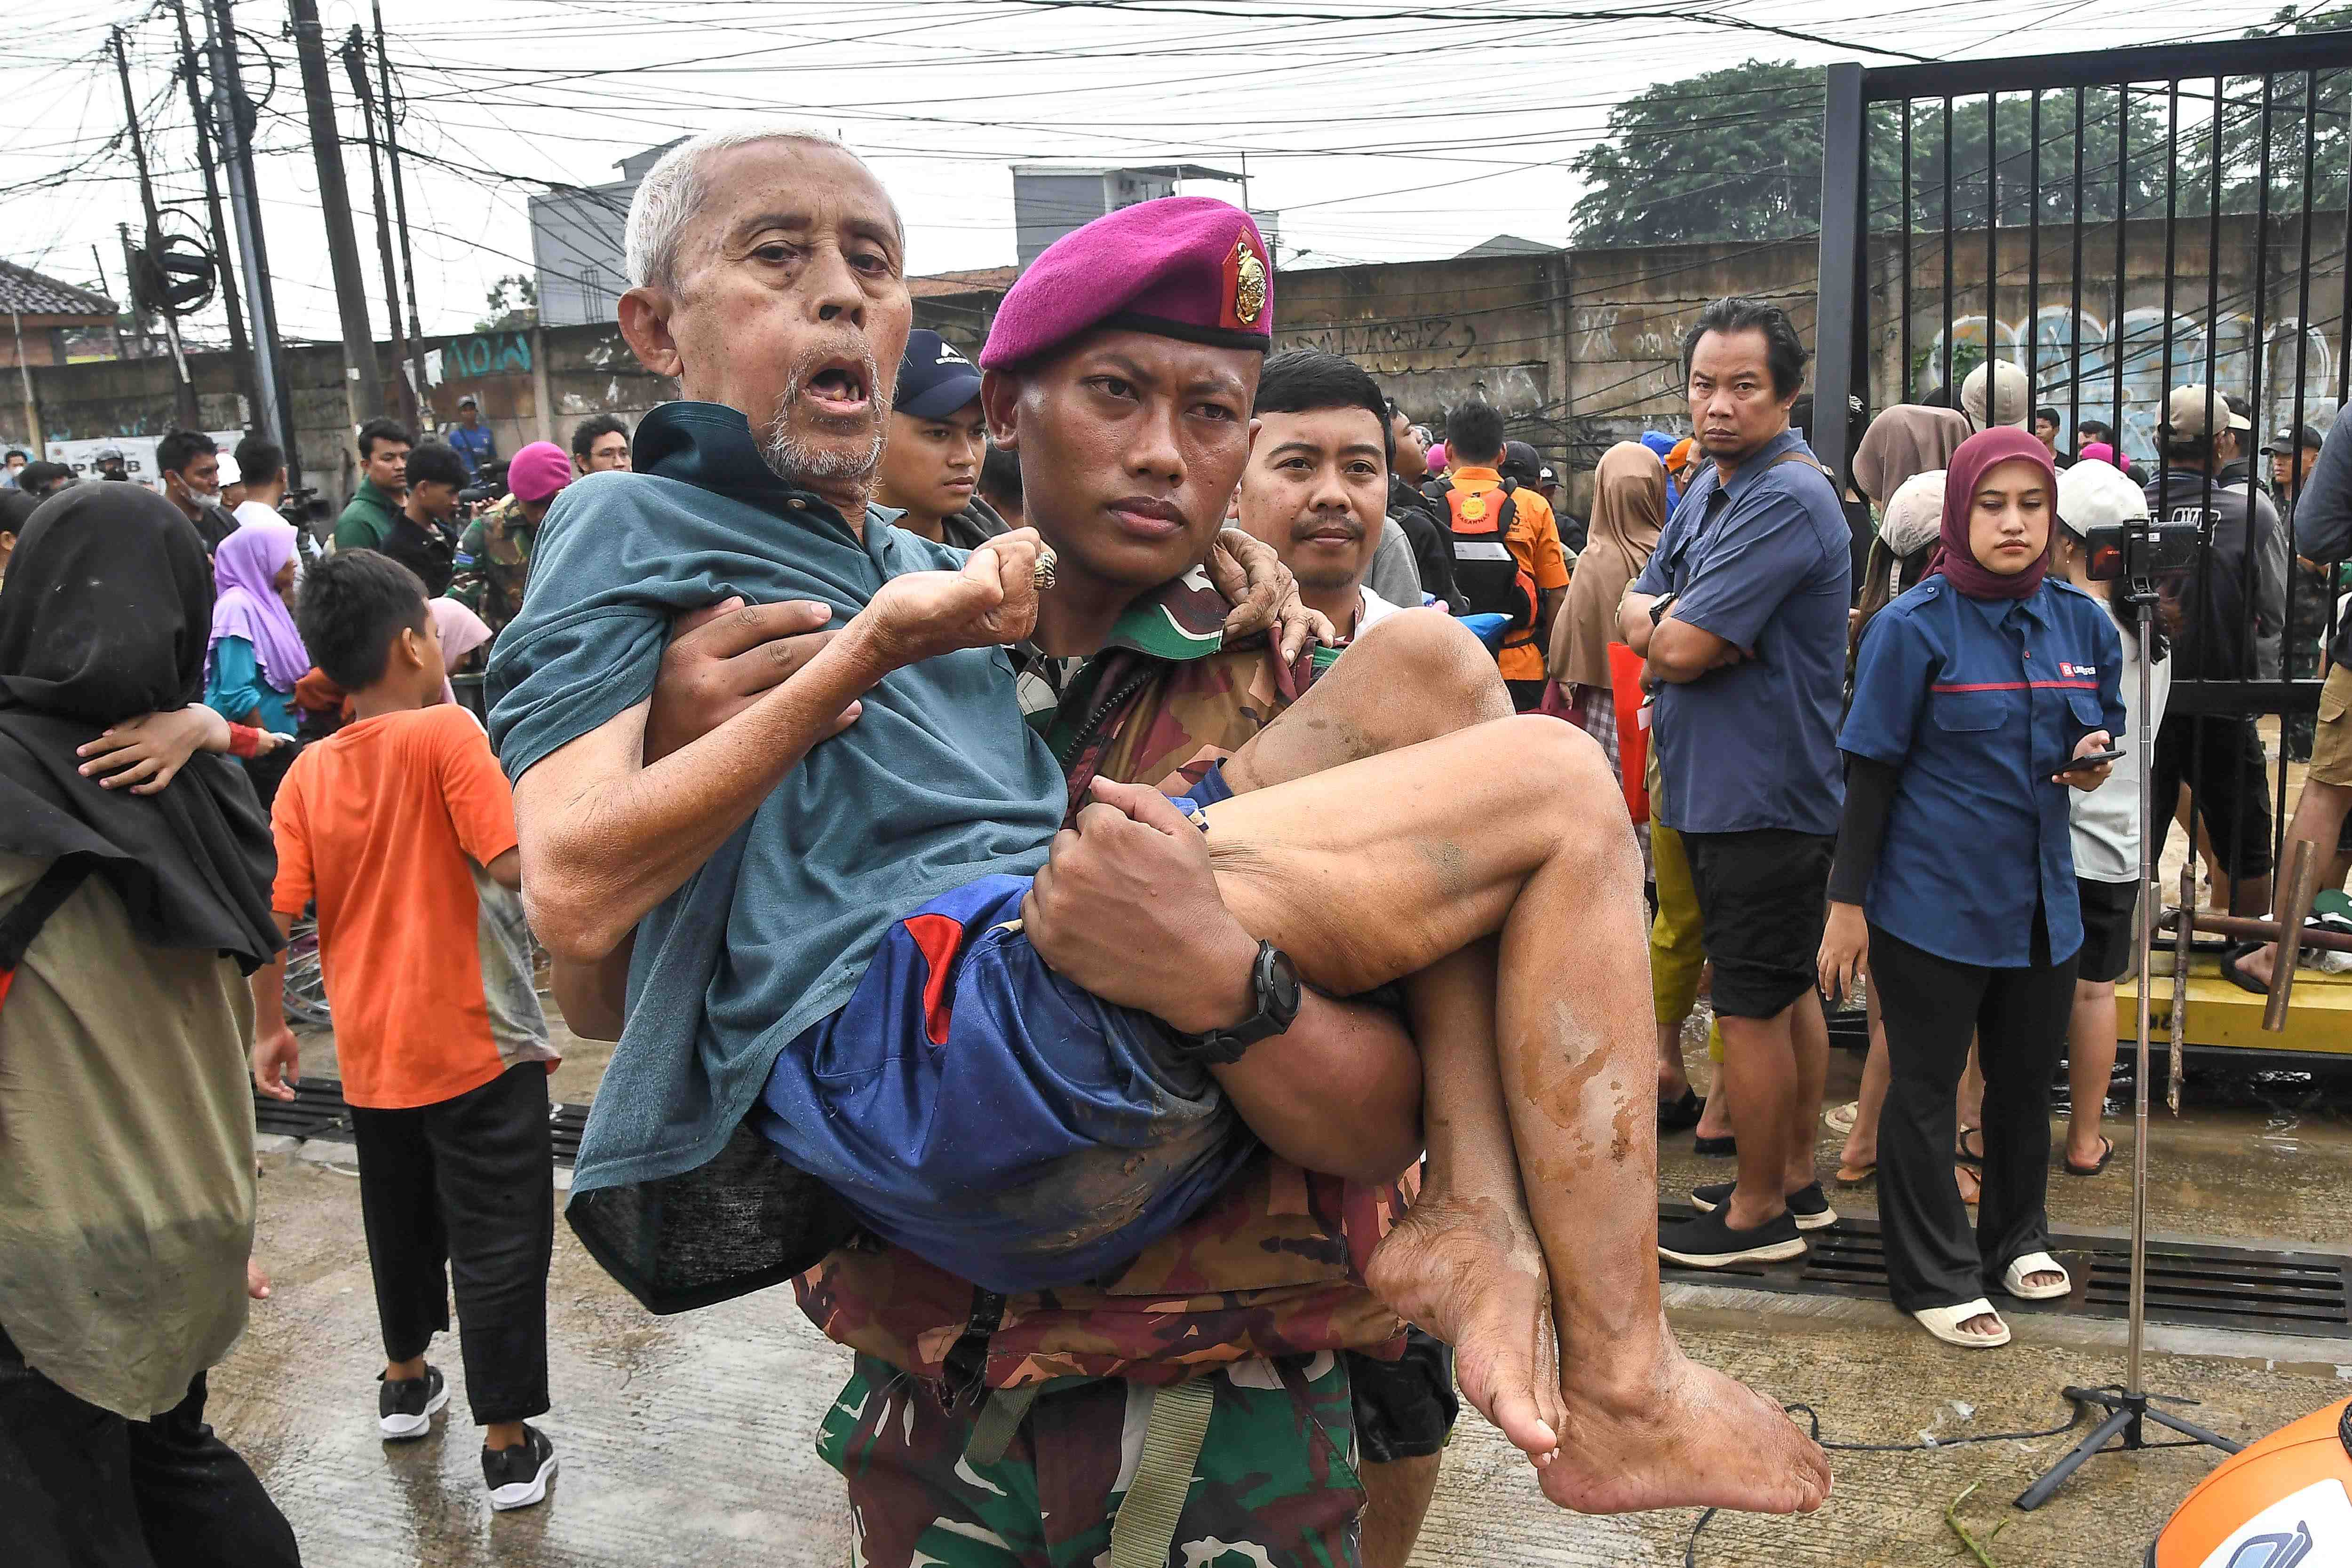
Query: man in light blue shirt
x=471, y=439
x=1741, y=613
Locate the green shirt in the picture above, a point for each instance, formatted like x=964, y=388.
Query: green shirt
x=367, y=519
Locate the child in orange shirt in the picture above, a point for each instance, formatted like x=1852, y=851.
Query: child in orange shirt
x=401, y=827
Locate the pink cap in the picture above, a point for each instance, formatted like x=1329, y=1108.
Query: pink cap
x=1182, y=267
x=539, y=471
x=2100, y=451
x=1435, y=457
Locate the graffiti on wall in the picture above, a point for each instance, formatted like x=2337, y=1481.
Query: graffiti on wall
x=2076, y=357
x=483, y=354
x=1390, y=348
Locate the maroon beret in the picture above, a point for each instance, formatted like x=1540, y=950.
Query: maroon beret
x=1182, y=267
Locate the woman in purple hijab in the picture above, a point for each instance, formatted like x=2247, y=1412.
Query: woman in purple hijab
x=256, y=655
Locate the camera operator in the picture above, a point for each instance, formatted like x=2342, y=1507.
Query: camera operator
x=2106, y=819
x=2233, y=607
x=1978, y=697
x=2323, y=533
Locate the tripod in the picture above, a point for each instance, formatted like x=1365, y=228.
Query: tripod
x=2128, y=1408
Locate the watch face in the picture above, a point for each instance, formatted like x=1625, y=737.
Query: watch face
x=1283, y=987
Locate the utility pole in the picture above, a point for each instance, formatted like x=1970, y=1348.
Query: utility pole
x=362, y=387
x=234, y=116
x=354, y=54
x=184, y=390
x=122, y=343
x=399, y=206
x=237, y=343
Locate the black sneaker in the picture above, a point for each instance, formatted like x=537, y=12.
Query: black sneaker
x=1809, y=1204
x=517, y=1476
x=405, y=1407
x=1709, y=1242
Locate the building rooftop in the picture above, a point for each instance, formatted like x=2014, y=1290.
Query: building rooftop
x=35, y=294
x=1510, y=244
x=979, y=281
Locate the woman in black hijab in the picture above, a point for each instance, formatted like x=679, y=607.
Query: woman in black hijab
x=128, y=923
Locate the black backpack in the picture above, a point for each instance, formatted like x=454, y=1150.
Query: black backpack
x=1487, y=574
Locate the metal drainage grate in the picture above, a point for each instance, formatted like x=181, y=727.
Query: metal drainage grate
x=318, y=1111
x=2210, y=1287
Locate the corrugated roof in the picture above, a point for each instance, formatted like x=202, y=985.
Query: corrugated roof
x=22, y=288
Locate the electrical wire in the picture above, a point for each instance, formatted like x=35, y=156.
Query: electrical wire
x=1690, y=1551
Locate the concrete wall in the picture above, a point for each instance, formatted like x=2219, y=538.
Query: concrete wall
x=1578, y=349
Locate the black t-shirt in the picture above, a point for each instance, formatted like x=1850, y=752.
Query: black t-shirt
x=428, y=551
x=213, y=526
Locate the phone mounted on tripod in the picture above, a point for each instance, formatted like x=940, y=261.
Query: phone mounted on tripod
x=2139, y=550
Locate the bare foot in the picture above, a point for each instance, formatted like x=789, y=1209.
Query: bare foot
x=1471, y=1272
x=1691, y=1438
x=2258, y=965
x=256, y=1280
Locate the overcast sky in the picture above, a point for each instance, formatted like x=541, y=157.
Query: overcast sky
x=1376, y=138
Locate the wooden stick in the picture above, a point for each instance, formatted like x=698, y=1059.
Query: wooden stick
x=2247, y=930
x=2298, y=905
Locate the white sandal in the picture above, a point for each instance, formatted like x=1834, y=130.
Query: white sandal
x=2013, y=1279
x=1945, y=1322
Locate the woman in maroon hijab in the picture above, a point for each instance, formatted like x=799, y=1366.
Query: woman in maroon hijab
x=1979, y=697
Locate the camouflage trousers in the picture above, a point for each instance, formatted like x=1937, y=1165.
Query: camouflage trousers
x=1276, y=1485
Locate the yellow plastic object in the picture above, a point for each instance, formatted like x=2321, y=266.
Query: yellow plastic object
x=2318, y=1019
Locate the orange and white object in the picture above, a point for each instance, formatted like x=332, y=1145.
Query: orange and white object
x=2284, y=1502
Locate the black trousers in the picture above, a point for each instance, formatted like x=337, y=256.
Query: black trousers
x=2018, y=1016
x=2225, y=760
x=463, y=1189
x=83, y=1488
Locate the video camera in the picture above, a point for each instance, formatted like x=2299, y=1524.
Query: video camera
x=2141, y=550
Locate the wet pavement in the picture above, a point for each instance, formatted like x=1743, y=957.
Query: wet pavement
x=688, y=1439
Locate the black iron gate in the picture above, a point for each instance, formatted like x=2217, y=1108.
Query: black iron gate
x=2117, y=225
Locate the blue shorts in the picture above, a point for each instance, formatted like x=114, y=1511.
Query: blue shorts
x=977, y=1108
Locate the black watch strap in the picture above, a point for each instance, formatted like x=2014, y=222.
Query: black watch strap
x=1275, y=987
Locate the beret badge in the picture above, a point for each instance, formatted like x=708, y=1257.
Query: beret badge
x=1245, y=285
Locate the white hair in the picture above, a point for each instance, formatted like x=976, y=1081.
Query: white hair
x=673, y=188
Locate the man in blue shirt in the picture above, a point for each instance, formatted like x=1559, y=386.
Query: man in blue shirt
x=1741, y=615
x=471, y=439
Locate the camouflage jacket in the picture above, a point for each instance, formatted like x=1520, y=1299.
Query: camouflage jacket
x=493, y=563
x=1275, y=1267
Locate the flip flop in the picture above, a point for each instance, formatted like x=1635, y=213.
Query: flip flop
x=1849, y=1176
x=2106, y=1153
x=2239, y=977
x=1970, y=1198
x=2013, y=1279
x=1945, y=1322
x=1842, y=1118
x=1679, y=1115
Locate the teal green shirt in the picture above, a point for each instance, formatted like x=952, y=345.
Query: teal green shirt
x=938, y=784
x=234, y=688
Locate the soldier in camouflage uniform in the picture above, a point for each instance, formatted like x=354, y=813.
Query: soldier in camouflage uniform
x=493, y=558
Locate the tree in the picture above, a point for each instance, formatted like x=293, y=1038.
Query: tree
x=514, y=304
x=1736, y=155
x=1731, y=154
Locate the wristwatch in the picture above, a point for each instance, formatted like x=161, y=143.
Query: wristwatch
x=1273, y=981
x=1659, y=606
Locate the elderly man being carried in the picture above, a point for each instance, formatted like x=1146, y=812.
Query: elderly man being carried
x=844, y=942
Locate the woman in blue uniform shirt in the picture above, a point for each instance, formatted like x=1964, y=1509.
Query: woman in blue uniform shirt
x=1975, y=693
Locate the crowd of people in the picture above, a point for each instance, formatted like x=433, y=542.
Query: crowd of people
x=895, y=755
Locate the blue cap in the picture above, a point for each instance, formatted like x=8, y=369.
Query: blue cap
x=934, y=378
